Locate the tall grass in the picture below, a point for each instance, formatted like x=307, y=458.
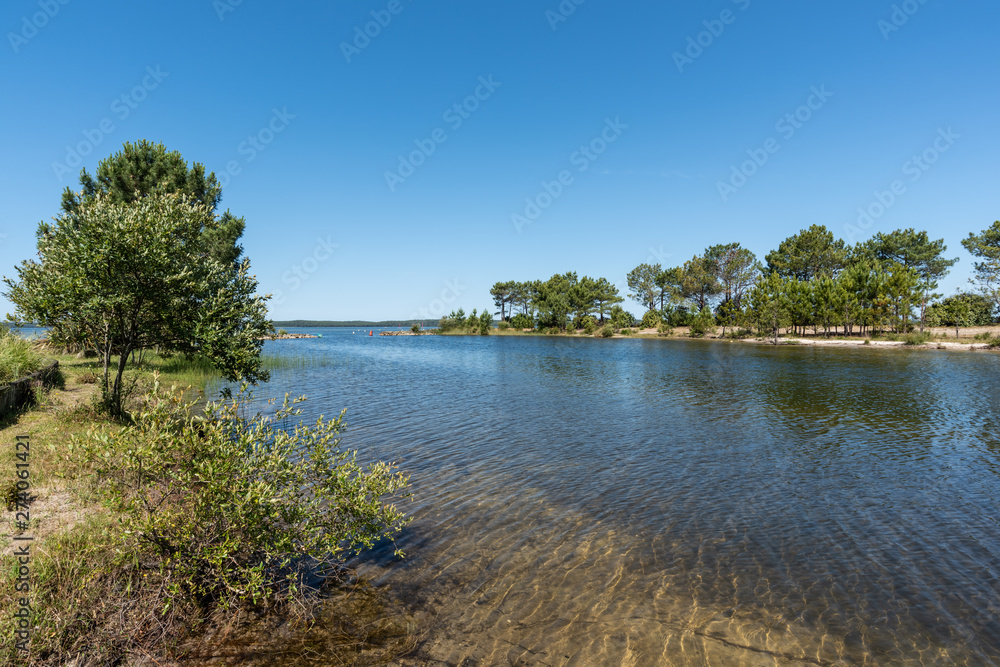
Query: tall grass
x=17, y=357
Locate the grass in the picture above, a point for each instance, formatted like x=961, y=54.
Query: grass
x=18, y=357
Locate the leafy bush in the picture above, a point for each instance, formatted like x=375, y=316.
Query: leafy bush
x=607, y=331
x=234, y=511
x=503, y=325
x=282, y=332
x=522, y=321
x=994, y=343
x=703, y=323
x=986, y=335
x=665, y=328
x=453, y=321
x=916, y=338
x=17, y=357
x=626, y=332
x=415, y=328
x=651, y=319
x=621, y=318
x=589, y=325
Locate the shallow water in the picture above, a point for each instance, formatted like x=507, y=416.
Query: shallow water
x=642, y=502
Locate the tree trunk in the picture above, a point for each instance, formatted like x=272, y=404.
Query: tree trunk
x=116, y=392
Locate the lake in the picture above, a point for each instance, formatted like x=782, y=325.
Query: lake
x=587, y=501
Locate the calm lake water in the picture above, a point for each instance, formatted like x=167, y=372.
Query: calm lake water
x=643, y=502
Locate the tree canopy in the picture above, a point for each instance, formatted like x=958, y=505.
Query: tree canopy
x=809, y=253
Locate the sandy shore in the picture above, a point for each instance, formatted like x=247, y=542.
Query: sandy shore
x=940, y=342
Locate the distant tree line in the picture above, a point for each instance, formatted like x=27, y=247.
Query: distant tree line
x=811, y=281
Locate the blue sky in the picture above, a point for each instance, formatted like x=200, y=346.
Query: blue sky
x=306, y=118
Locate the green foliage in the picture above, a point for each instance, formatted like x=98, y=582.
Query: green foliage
x=665, y=329
x=17, y=357
x=980, y=310
x=282, y=332
x=608, y=330
x=503, y=325
x=485, y=323
x=811, y=252
x=769, y=304
x=985, y=247
x=232, y=510
x=452, y=322
x=522, y=321
x=994, y=343
x=621, y=318
x=916, y=338
x=642, y=284
x=589, y=325
x=651, y=319
x=415, y=328
x=700, y=280
x=124, y=277
x=626, y=332
x=703, y=323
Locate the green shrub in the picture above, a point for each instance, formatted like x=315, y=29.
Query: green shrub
x=994, y=343
x=986, y=335
x=415, y=328
x=17, y=357
x=916, y=338
x=503, y=325
x=665, y=329
x=607, y=331
x=626, y=332
x=589, y=326
x=522, y=321
x=229, y=510
x=651, y=319
x=703, y=323
x=282, y=332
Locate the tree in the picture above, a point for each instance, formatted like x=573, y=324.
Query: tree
x=809, y=253
x=670, y=282
x=986, y=248
x=700, y=281
x=956, y=311
x=605, y=296
x=128, y=276
x=980, y=310
x=642, y=284
x=736, y=270
x=768, y=303
x=553, y=300
x=913, y=250
x=829, y=296
x=503, y=294
x=903, y=288
x=145, y=168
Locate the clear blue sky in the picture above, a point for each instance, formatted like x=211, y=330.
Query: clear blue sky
x=202, y=77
